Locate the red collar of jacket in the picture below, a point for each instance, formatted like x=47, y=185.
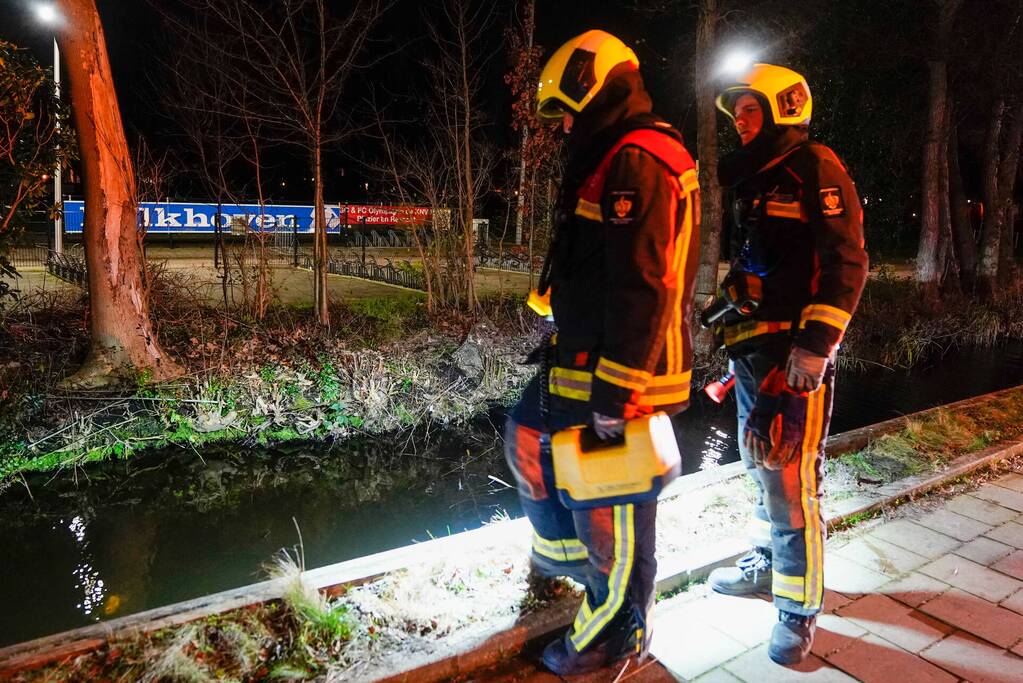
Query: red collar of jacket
x=660, y=144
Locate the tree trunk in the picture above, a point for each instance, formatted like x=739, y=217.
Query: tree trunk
x=321, y=297
x=928, y=265
x=946, y=247
x=962, y=229
x=928, y=271
x=470, y=180
x=520, y=213
x=991, y=234
x=123, y=342
x=1007, y=171
x=707, y=152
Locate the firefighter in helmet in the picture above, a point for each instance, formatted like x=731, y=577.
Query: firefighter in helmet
x=619, y=273
x=798, y=228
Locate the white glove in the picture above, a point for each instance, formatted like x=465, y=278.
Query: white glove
x=608, y=427
x=804, y=371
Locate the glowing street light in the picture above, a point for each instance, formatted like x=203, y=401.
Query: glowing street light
x=735, y=63
x=47, y=14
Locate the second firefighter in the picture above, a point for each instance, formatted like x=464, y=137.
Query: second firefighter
x=798, y=235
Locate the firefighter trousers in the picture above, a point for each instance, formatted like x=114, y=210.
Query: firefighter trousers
x=610, y=550
x=787, y=517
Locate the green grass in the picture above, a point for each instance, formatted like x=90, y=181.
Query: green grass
x=929, y=442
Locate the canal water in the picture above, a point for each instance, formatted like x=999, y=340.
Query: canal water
x=175, y=525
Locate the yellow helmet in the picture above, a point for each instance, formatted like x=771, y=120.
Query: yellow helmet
x=786, y=92
x=576, y=72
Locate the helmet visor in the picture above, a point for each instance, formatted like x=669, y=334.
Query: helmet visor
x=552, y=109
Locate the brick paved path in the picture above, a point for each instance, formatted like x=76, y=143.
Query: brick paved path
x=936, y=596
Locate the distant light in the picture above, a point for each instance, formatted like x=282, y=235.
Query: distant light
x=47, y=13
x=735, y=63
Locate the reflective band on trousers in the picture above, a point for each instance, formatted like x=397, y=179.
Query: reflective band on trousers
x=561, y=550
x=810, y=500
x=590, y=622
x=791, y=587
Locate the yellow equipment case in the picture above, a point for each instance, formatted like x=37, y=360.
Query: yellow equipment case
x=591, y=473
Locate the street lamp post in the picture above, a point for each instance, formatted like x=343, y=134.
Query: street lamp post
x=47, y=14
x=58, y=217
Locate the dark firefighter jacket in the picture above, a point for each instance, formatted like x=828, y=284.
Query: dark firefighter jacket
x=798, y=224
x=623, y=261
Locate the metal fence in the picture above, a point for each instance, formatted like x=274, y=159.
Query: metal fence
x=68, y=266
x=401, y=273
x=506, y=260
x=29, y=255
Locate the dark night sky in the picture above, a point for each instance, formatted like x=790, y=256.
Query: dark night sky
x=136, y=40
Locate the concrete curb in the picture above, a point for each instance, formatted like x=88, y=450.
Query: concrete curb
x=673, y=572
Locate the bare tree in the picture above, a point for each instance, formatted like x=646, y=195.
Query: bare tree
x=123, y=339
x=528, y=24
x=293, y=59
x=33, y=137
x=155, y=171
x=929, y=266
x=538, y=155
x=456, y=79
x=194, y=98
x=448, y=164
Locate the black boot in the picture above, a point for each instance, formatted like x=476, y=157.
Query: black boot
x=791, y=638
x=618, y=641
x=751, y=574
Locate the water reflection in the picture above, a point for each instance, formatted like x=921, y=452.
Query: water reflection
x=88, y=583
x=716, y=446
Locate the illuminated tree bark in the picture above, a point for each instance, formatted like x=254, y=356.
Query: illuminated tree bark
x=124, y=342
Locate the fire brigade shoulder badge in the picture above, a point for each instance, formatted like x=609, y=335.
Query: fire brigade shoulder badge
x=832, y=203
x=623, y=206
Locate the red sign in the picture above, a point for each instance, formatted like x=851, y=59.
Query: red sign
x=365, y=214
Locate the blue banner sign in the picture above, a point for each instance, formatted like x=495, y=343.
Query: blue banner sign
x=175, y=217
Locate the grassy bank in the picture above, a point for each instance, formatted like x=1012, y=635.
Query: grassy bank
x=384, y=365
